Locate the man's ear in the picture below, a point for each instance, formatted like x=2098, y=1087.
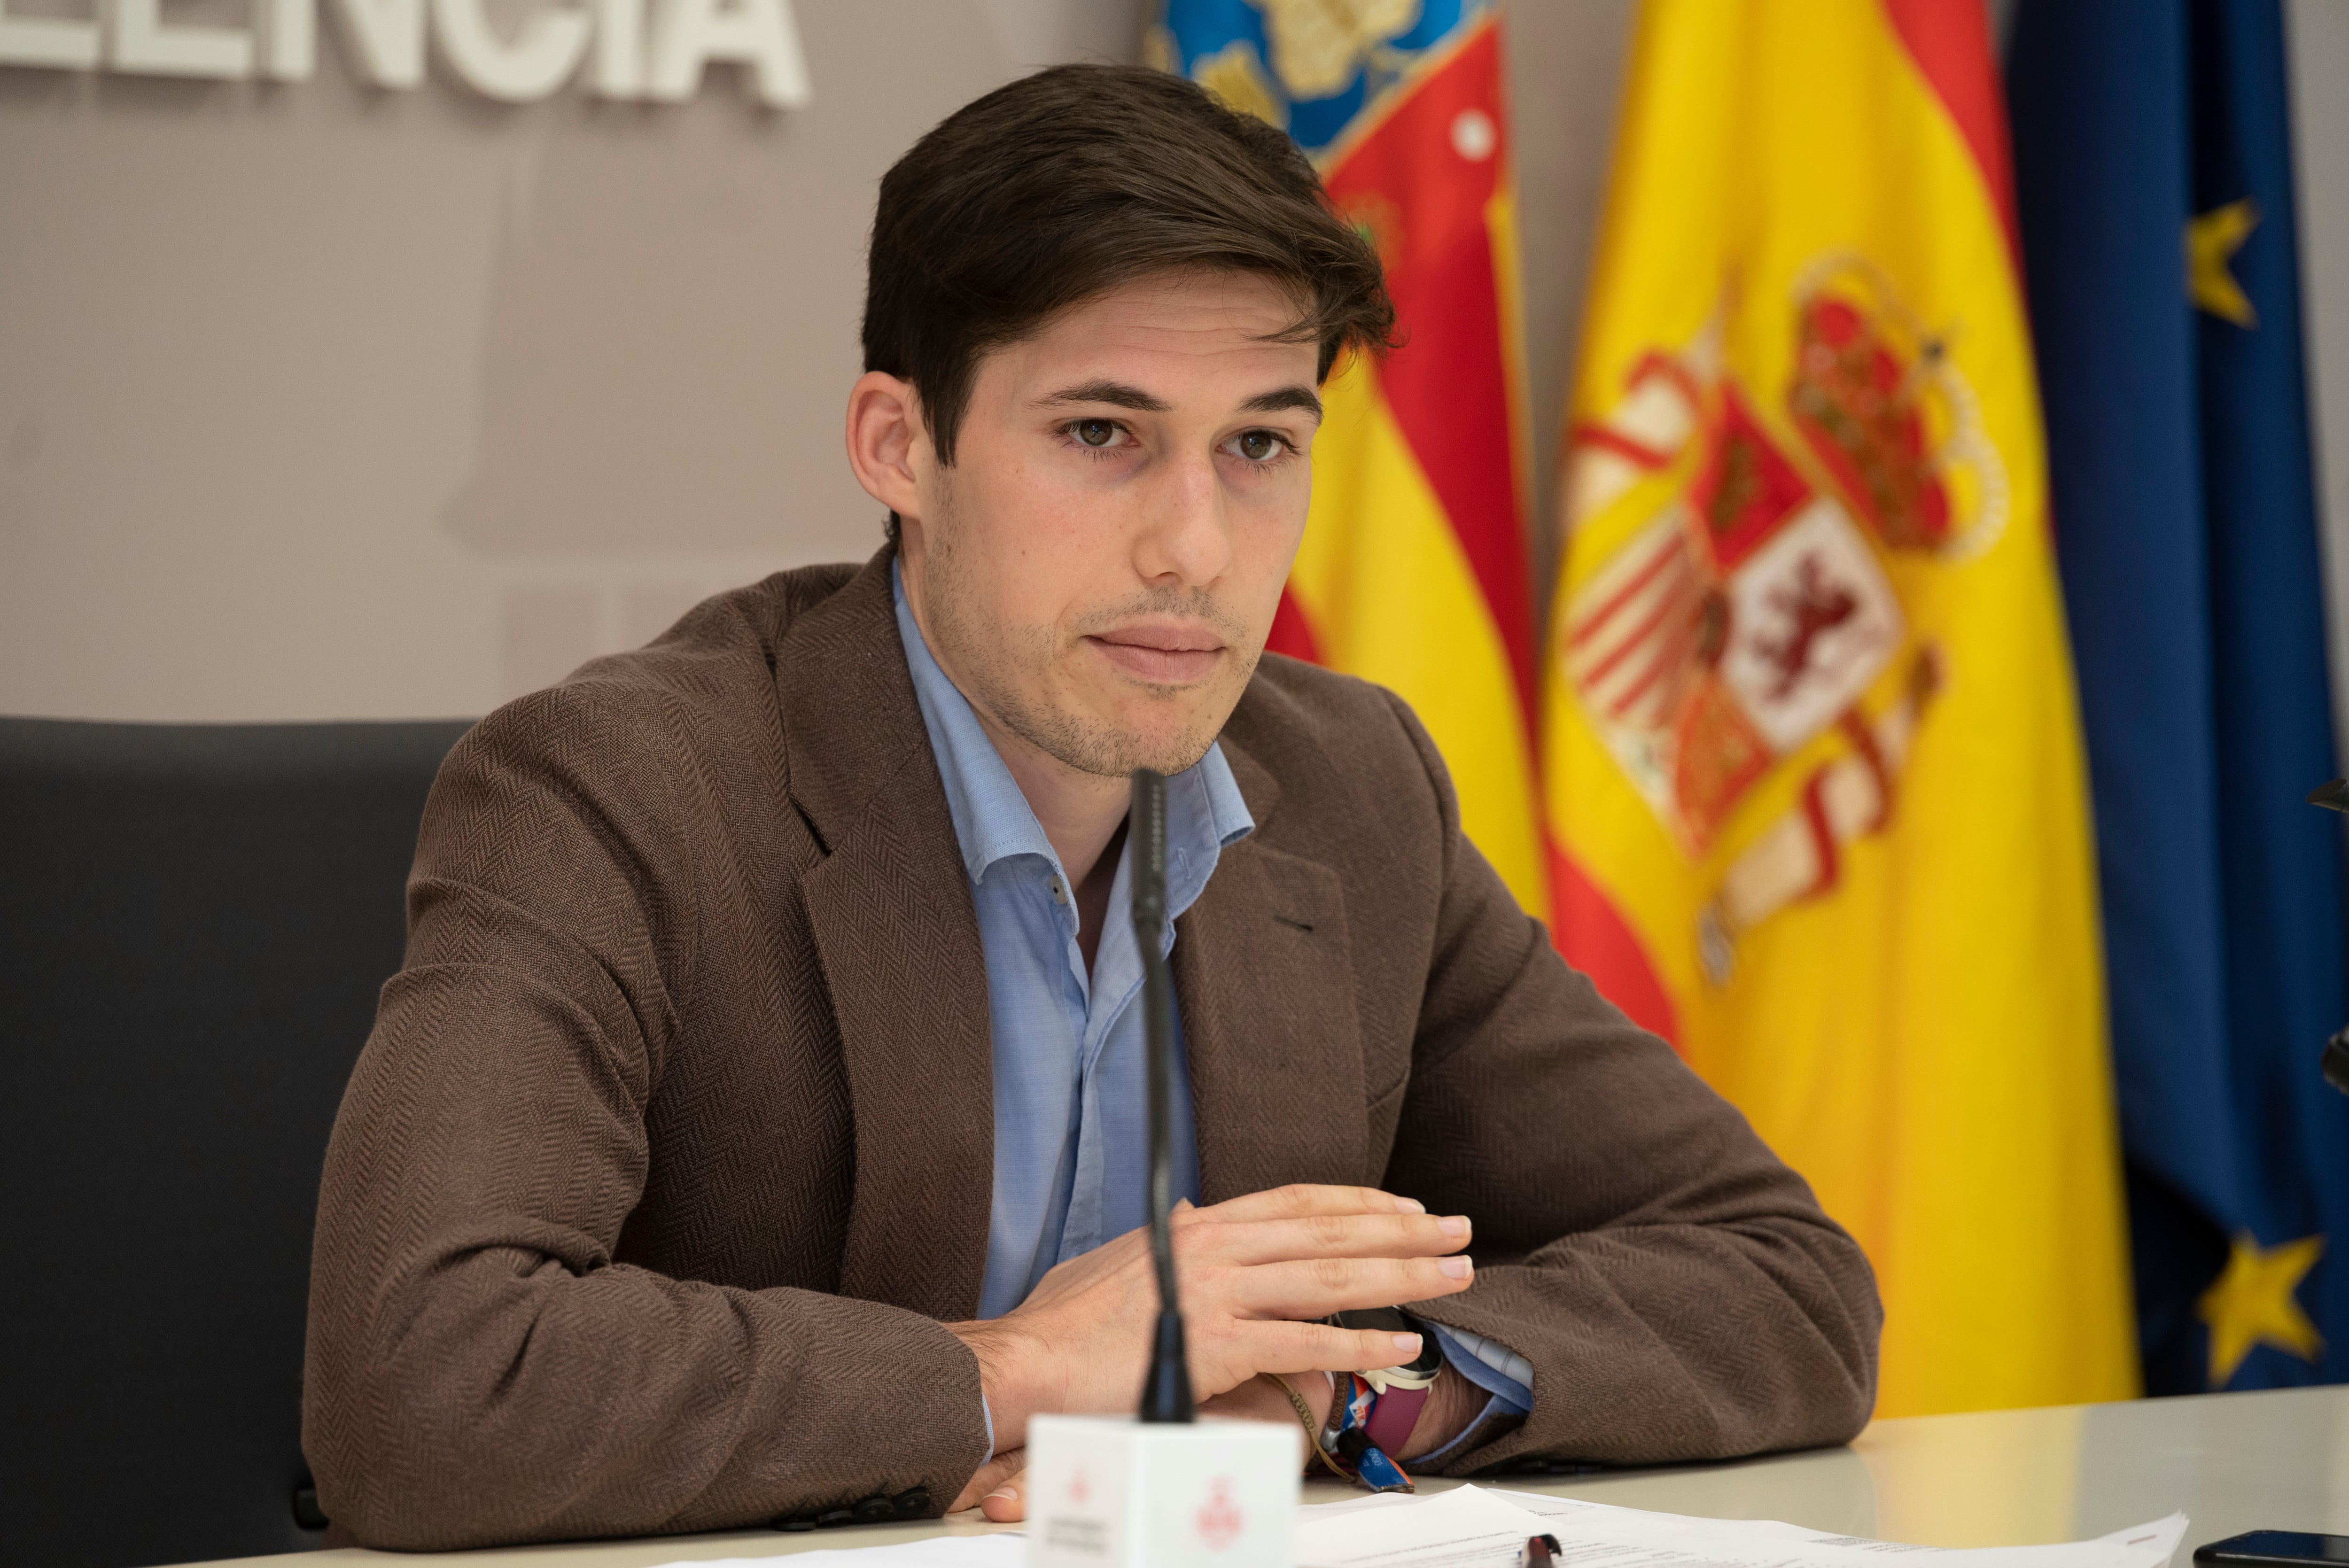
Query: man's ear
x=887, y=441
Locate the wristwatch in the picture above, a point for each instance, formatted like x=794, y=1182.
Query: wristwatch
x=1402, y=1389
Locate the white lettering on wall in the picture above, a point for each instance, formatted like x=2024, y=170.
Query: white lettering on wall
x=386, y=39
x=618, y=69
x=57, y=44
x=541, y=59
x=137, y=40
x=603, y=41
x=758, y=33
x=287, y=31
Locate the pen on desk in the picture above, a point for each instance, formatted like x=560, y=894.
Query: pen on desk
x=1541, y=1552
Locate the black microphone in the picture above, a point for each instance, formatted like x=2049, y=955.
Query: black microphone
x=1166, y=1391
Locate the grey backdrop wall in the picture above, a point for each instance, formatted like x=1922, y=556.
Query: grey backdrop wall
x=2320, y=70
x=321, y=401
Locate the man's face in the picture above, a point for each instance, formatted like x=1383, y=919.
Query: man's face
x=1098, y=570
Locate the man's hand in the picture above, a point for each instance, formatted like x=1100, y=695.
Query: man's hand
x=1255, y=1273
x=1452, y=1404
x=1000, y=1487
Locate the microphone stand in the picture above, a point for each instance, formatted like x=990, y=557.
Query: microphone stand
x=1165, y=1491
x=1166, y=1390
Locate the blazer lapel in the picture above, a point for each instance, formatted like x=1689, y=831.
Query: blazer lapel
x=898, y=939
x=1263, y=977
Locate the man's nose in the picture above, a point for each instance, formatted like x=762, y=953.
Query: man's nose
x=1188, y=542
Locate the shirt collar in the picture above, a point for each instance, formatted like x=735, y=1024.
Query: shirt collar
x=992, y=820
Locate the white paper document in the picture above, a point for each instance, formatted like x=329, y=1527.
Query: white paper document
x=1471, y=1527
x=1008, y=1550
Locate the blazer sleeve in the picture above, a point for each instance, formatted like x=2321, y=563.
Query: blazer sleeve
x=480, y=1369
x=1676, y=1287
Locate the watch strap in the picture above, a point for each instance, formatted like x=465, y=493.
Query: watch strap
x=1348, y=1440
x=1393, y=1419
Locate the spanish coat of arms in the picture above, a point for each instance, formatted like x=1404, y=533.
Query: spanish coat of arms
x=1753, y=611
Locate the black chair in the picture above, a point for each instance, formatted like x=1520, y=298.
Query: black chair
x=194, y=921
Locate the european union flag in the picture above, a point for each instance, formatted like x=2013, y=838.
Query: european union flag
x=2154, y=178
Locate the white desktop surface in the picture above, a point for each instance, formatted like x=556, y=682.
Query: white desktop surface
x=2002, y=1478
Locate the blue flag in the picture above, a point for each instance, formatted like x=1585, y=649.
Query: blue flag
x=2153, y=161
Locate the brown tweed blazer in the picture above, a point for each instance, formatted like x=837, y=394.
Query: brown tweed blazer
x=672, y=1144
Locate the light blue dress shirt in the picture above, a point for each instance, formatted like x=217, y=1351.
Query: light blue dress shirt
x=1071, y=1148
x=1071, y=1156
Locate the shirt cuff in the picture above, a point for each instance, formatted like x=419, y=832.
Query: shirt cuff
x=988, y=1413
x=1492, y=1415
x=1506, y=1377
x=1491, y=1366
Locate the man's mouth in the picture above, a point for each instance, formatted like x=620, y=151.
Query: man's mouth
x=1162, y=654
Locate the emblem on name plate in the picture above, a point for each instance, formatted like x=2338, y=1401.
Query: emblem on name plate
x=1219, y=1520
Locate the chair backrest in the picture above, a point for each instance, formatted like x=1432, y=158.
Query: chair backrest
x=194, y=921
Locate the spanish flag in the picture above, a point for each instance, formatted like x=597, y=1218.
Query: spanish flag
x=1414, y=572
x=1813, y=768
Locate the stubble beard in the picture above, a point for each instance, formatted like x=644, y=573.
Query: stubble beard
x=992, y=660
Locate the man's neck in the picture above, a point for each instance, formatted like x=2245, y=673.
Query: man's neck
x=1080, y=812
x=1083, y=815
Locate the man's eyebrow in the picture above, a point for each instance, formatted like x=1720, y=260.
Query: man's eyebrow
x=1116, y=394
x=1286, y=397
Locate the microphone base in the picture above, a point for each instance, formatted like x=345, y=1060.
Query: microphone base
x=1112, y=1492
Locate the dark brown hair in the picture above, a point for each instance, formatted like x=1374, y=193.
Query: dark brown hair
x=1072, y=181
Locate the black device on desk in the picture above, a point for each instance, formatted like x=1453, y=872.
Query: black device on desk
x=2274, y=1548
x=2332, y=797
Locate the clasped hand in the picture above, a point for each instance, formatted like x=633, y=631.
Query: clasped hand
x=1256, y=1276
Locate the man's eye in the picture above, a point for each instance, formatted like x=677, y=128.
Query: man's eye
x=1257, y=446
x=1095, y=432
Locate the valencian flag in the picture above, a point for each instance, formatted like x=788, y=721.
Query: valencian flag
x=1813, y=768
x=1414, y=572
x=2154, y=163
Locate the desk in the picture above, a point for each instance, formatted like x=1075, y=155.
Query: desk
x=2002, y=1478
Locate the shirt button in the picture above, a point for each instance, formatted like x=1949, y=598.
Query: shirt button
x=1060, y=893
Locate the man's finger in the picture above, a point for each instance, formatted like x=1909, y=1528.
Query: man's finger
x=989, y=1476
x=1316, y=1287
x=1294, y=1347
x=1008, y=1503
x=1302, y=1198
x=1256, y=1242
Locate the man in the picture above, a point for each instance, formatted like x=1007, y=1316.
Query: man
x=753, y=1132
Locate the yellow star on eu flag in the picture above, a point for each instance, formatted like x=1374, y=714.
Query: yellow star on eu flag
x=2253, y=1303
x=2211, y=241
